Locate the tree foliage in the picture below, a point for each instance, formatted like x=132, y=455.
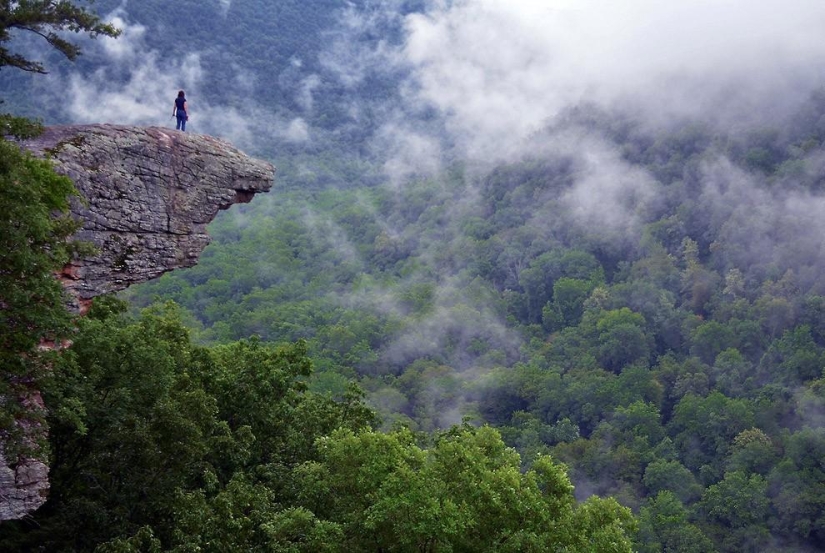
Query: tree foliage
x=661, y=361
x=49, y=20
x=35, y=228
x=159, y=444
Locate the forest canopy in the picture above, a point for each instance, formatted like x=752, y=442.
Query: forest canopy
x=675, y=364
x=225, y=449
x=572, y=285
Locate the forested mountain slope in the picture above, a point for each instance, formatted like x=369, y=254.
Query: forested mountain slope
x=670, y=351
x=580, y=226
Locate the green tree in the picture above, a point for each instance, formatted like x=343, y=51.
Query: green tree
x=664, y=527
x=34, y=245
x=738, y=508
x=129, y=424
x=671, y=476
x=732, y=371
x=145, y=427
x=641, y=421
x=622, y=339
x=35, y=227
x=709, y=339
x=49, y=19
x=244, y=516
x=567, y=306
x=704, y=429
x=752, y=452
x=698, y=283
x=464, y=493
x=795, y=357
x=797, y=486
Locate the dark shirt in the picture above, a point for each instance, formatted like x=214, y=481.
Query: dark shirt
x=179, y=105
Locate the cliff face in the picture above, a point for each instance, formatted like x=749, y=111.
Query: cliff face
x=147, y=196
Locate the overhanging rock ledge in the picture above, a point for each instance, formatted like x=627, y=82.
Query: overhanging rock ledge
x=147, y=195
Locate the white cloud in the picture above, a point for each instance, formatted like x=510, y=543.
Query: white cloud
x=139, y=86
x=305, y=95
x=408, y=151
x=297, y=130
x=498, y=70
x=608, y=193
x=351, y=59
x=764, y=228
x=130, y=41
x=146, y=98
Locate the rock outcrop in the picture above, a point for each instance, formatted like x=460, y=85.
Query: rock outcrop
x=147, y=195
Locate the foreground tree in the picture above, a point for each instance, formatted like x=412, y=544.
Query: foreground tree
x=35, y=226
x=143, y=422
x=464, y=493
x=34, y=229
x=158, y=444
x=49, y=19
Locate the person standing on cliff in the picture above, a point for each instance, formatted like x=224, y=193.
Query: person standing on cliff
x=181, y=111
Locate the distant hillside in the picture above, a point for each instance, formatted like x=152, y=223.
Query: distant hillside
x=648, y=308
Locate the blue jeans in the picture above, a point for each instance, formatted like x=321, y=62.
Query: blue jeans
x=181, y=126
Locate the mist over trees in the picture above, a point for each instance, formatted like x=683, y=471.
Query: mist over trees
x=666, y=347
x=581, y=227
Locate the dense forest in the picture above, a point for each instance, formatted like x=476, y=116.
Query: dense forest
x=674, y=363
x=468, y=358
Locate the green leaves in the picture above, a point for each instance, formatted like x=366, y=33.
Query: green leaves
x=665, y=525
x=47, y=19
x=162, y=445
x=465, y=492
x=34, y=245
x=156, y=440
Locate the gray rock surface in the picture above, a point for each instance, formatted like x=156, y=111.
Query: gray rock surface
x=24, y=484
x=24, y=488
x=147, y=196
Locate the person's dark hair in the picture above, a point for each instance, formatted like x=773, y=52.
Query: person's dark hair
x=180, y=94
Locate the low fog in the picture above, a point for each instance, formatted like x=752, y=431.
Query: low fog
x=494, y=72
x=501, y=74
x=498, y=70
x=490, y=82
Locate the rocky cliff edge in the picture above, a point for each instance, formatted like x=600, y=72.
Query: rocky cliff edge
x=146, y=196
